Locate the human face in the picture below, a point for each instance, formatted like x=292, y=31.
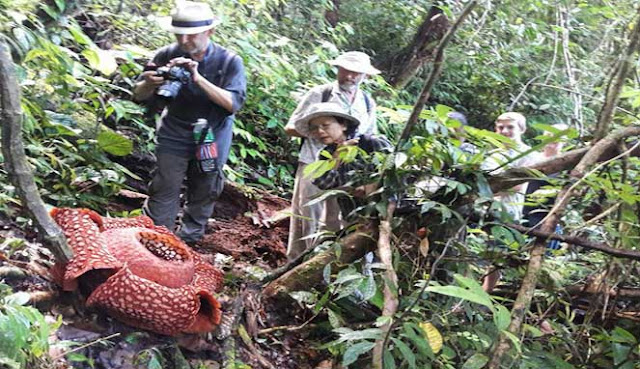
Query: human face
x=328, y=130
x=195, y=44
x=510, y=129
x=553, y=148
x=349, y=80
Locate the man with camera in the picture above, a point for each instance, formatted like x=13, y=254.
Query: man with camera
x=201, y=85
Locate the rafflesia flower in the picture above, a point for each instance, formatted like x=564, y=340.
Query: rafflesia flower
x=146, y=276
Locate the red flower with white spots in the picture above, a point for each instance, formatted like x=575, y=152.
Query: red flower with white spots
x=155, y=281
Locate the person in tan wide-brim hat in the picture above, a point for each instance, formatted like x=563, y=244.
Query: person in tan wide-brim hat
x=327, y=112
x=353, y=67
x=355, y=61
x=188, y=18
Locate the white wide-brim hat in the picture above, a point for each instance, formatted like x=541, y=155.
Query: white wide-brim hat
x=322, y=109
x=355, y=61
x=188, y=18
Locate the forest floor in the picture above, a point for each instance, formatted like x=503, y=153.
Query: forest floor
x=246, y=237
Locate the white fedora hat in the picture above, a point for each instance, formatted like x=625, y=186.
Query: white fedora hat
x=322, y=109
x=188, y=18
x=355, y=61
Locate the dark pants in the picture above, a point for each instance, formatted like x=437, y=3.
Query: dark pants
x=164, y=195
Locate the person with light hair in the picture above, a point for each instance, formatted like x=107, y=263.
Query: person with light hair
x=515, y=153
x=353, y=67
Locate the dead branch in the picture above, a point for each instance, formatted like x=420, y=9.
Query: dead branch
x=579, y=241
x=390, y=291
x=619, y=292
x=288, y=328
x=15, y=160
x=606, y=144
x=605, y=149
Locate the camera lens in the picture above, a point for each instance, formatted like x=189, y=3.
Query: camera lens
x=175, y=77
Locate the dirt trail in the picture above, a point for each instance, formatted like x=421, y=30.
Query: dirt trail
x=248, y=231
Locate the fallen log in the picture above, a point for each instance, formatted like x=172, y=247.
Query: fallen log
x=309, y=273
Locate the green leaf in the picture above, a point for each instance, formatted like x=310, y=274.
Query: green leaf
x=324, y=195
x=76, y=357
x=304, y=297
x=388, y=360
x=347, y=275
x=347, y=334
x=79, y=36
x=18, y=298
x=334, y=319
x=442, y=112
x=514, y=340
x=501, y=317
x=368, y=287
x=476, y=361
x=461, y=293
x=620, y=353
x=265, y=181
x=419, y=338
x=406, y=352
x=623, y=336
x=326, y=273
x=101, y=60
x=323, y=300
x=354, y=351
x=400, y=158
x=484, y=189
x=503, y=235
x=114, y=143
x=472, y=291
x=154, y=363
x=534, y=331
x=318, y=168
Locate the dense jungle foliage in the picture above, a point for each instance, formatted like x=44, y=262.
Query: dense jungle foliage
x=554, y=61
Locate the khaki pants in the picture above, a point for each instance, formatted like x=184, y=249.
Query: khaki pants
x=307, y=220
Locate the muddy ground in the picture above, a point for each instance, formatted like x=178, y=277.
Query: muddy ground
x=246, y=237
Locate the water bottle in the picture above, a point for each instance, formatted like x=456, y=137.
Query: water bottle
x=206, y=148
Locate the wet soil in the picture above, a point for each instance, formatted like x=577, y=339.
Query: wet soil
x=246, y=237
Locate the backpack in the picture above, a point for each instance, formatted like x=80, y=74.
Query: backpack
x=326, y=95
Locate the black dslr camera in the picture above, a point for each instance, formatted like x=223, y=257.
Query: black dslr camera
x=174, y=78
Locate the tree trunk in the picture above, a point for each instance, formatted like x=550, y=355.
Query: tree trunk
x=15, y=160
x=615, y=87
x=333, y=16
x=403, y=66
